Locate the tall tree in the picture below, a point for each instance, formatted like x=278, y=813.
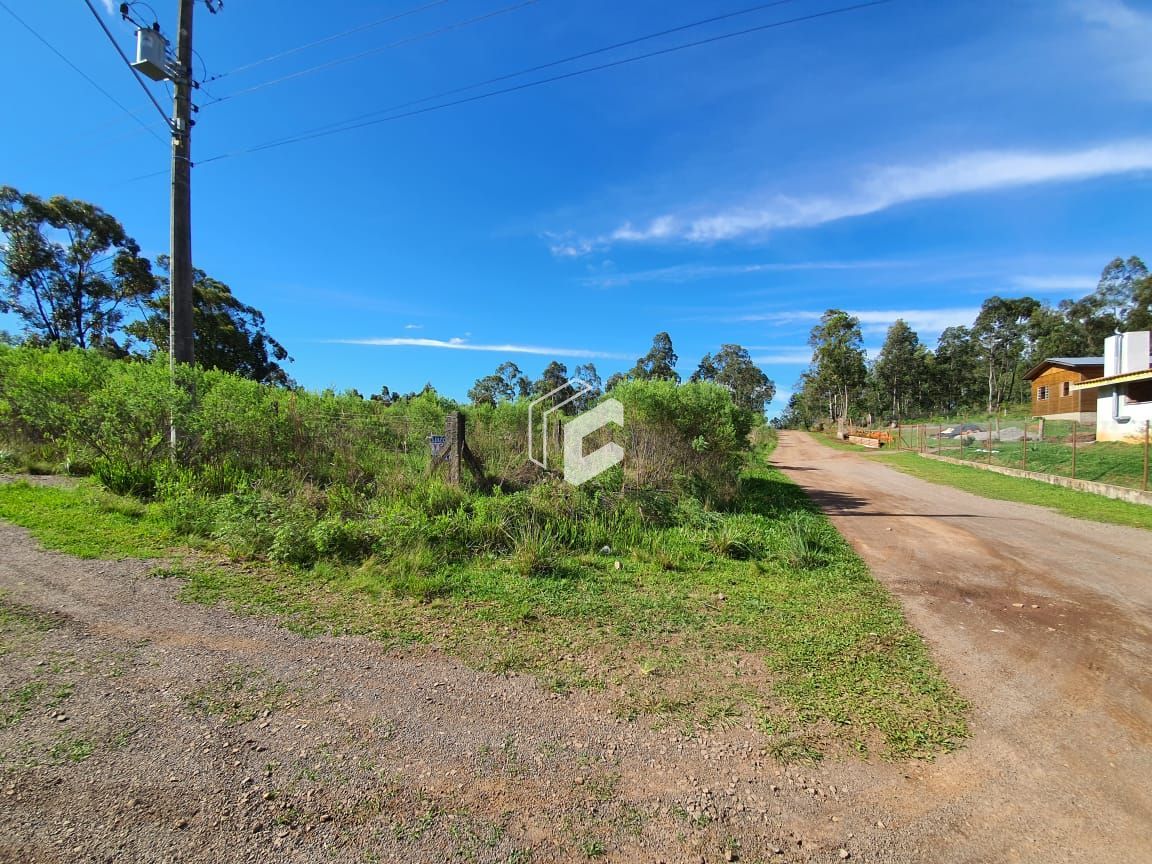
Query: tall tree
x=230, y=335
x=1118, y=292
x=659, y=364
x=838, y=361
x=69, y=269
x=506, y=384
x=1000, y=331
x=957, y=380
x=555, y=375
x=732, y=367
x=1058, y=332
x=586, y=373
x=899, y=369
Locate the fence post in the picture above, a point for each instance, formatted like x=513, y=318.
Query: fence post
x=1144, y=487
x=1075, y=435
x=454, y=445
x=1024, y=448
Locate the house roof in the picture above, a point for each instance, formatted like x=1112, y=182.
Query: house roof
x=1124, y=378
x=1066, y=362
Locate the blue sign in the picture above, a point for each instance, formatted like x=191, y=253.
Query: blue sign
x=437, y=443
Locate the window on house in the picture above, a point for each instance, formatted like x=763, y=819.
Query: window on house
x=1139, y=391
x=1042, y=394
x=1066, y=388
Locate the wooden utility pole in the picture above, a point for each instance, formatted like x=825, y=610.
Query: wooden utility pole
x=181, y=331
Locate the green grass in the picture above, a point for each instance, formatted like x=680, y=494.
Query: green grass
x=86, y=521
x=768, y=616
x=1079, y=505
x=1102, y=462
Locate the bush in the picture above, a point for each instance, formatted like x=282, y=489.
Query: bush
x=127, y=478
x=689, y=438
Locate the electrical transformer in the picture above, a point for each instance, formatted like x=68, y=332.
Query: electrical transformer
x=151, y=58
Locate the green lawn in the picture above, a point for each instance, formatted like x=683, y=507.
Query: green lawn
x=787, y=630
x=1079, y=505
x=1104, y=462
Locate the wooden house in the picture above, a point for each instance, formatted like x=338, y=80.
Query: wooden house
x=1054, y=392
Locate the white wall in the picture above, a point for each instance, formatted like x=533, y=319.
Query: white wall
x=1132, y=357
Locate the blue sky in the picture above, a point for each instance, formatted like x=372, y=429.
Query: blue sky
x=904, y=160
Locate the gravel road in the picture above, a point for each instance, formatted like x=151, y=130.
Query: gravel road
x=157, y=731
x=1045, y=624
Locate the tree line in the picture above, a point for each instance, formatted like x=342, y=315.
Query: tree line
x=731, y=367
x=972, y=368
x=74, y=277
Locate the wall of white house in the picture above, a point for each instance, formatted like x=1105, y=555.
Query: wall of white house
x=1110, y=429
x=1120, y=419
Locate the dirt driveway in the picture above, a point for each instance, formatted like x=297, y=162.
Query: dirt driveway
x=137, y=728
x=1045, y=623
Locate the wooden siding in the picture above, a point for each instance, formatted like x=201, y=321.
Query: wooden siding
x=1076, y=402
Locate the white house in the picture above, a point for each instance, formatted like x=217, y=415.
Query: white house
x=1124, y=393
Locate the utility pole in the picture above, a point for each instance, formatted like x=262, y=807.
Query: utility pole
x=181, y=332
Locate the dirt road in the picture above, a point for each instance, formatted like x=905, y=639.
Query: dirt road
x=138, y=728
x=1045, y=623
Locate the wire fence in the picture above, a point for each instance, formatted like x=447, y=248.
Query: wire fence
x=1059, y=448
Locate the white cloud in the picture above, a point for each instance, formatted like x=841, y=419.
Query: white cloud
x=923, y=321
x=413, y=326
x=110, y=7
x=797, y=357
x=1121, y=34
x=458, y=344
x=883, y=189
x=1056, y=284
x=691, y=273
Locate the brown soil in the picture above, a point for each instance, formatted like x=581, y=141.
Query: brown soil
x=191, y=734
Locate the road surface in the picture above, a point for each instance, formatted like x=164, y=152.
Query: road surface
x=1045, y=624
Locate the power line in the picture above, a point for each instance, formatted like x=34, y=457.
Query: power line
x=351, y=124
x=407, y=40
x=359, y=29
x=127, y=62
x=569, y=59
x=81, y=72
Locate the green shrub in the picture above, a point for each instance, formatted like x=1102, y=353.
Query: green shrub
x=805, y=543
x=343, y=539
x=126, y=478
x=536, y=552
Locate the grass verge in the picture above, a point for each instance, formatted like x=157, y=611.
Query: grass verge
x=769, y=618
x=1070, y=502
x=87, y=521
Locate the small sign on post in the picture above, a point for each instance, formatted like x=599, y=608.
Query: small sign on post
x=437, y=443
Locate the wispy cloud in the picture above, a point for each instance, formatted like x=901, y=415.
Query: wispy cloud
x=695, y=272
x=109, y=7
x=1122, y=34
x=799, y=357
x=923, y=321
x=413, y=326
x=881, y=189
x=1058, y=284
x=457, y=344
